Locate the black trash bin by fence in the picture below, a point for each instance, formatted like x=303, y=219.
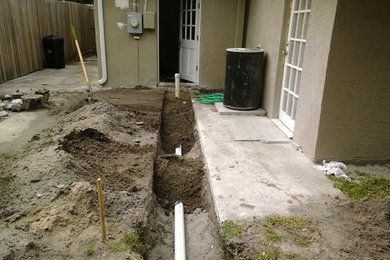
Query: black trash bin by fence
x=244, y=78
x=54, y=51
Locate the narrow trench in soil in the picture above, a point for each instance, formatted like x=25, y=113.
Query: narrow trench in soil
x=181, y=179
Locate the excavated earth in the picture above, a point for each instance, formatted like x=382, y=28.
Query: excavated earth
x=48, y=199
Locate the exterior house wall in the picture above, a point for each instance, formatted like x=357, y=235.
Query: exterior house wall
x=314, y=73
x=222, y=25
x=267, y=25
x=129, y=61
x=355, y=116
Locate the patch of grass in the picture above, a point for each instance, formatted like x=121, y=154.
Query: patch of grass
x=130, y=241
x=272, y=235
x=267, y=254
x=291, y=256
x=230, y=230
x=90, y=249
x=9, y=155
x=296, y=228
x=367, y=186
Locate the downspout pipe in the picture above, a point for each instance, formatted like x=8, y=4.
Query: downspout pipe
x=102, y=41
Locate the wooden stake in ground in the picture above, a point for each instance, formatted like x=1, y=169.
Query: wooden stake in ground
x=90, y=96
x=101, y=210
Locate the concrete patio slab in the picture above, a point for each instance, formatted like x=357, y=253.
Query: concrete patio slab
x=253, y=169
x=70, y=78
x=222, y=110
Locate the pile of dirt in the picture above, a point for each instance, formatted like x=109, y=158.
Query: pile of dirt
x=364, y=226
x=178, y=179
x=49, y=201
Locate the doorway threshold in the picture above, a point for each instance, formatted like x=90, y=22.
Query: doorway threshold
x=184, y=84
x=283, y=128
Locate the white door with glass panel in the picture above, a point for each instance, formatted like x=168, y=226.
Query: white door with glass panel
x=295, y=49
x=189, y=40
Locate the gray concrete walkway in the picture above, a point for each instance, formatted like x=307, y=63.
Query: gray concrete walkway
x=254, y=170
x=71, y=78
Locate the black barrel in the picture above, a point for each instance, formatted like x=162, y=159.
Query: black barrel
x=244, y=78
x=54, y=51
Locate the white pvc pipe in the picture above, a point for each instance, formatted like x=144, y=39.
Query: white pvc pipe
x=180, y=243
x=177, y=85
x=145, y=6
x=179, y=151
x=102, y=41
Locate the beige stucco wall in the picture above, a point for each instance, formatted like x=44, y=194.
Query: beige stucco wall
x=314, y=73
x=129, y=61
x=355, y=116
x=266, y=25
x=222, y=23
x=221, y=28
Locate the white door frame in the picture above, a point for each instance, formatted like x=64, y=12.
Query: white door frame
x=292, y=73
x=190, y=31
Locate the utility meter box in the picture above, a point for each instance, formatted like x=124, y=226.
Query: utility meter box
x=134, y=23
x=149, y=20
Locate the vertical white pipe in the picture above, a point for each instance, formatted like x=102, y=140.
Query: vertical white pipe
x=180, y=244
x=146, y=6
x=102, y=41
x=177, y=85
x=179, y=151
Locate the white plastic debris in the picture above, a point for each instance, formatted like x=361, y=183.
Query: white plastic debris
x=178, y=151
x=333, y=168
x=17, y=102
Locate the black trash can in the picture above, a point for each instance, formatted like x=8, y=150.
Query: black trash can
x=244, y=78
x=54, y=51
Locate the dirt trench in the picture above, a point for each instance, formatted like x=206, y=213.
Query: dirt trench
x=181, y=179
x=48, y=204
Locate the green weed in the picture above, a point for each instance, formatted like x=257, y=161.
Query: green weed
x=9, y=155
x=230, y=230
x=367, y=186
x=90, y=249
x=294, y=228
x=130, y=241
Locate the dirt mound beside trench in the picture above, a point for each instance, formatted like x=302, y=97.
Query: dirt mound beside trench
x=49, y=205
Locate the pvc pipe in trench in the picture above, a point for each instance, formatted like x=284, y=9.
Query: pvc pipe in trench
x=177, y=85
x=102, y=41
x=180, y=243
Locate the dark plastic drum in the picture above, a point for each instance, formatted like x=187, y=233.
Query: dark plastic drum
x=54, y=51
x=244, y=78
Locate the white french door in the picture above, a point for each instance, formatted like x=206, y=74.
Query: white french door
x=189, y=39
x=300, y=14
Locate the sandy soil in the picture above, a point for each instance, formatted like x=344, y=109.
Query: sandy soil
x=341, y=230
x=48, y=203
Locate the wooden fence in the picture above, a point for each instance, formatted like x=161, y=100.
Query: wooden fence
x=23, y=24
